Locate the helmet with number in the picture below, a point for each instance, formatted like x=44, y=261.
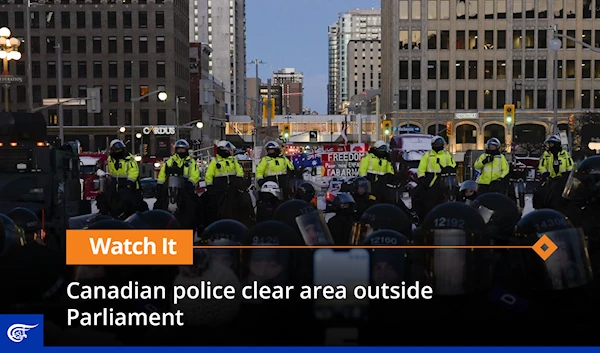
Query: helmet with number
x=224, y=149
x=344, y=203
x=362, y=186
x=584, y=180
x=271, y=266
x=28, y=221
x=381, y=216
x=499, y=213
x=438, y=143
x=492, y=146
x=11, y=235
x=273, y=149
x=387, y=265
x=117, y=148
x=182, y=148
x=560, y=260
x=306, y=220
x=271, y=188
x=306, y=191
x=226, y=232
x=160, y=219
x=457, y=271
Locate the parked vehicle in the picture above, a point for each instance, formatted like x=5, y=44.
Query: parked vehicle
x=406, y=153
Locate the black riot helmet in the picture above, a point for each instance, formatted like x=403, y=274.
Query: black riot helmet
x=117, y=149
x=11, y=235
x=29, y=222
x=456, y=271
x=584, y=181
x=344, y=202
x=182, y=148
x=110, y=224
x=84, y=221
x=387, y=265
x=306, y=220
x=226, y=232
x=138, y=221
x=381, y=216
x=306, y=192
x=499, y=213
x=362, y=187
x=559, y=259
x=270, y=266
x=160, y=219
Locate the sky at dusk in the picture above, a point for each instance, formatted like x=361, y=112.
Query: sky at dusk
x=293, y=33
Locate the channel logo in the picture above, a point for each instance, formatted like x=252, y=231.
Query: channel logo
x=21, y=331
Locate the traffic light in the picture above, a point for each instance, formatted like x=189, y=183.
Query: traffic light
x=286, y=131
x=387, y=127
x=509, y=114
x=449, y=128
x=272, y=108
x=145, y=149
x=264, y=109
x=572, y=123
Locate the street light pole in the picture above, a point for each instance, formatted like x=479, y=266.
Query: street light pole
x=61, y=125
x=28, y=58
x=132, y=113
x=555, y=45
x=437, y=99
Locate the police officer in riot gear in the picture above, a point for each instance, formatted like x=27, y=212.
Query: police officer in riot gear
x=275, y=167
x=493, y=169
x=361, y=192
x=29, y=222
x=340, y=225
x=306, y=220
x=554, y=166
x=306, y=191
x=381, y=216
x=122, y=197
x=499, y=213
x=468, y=192
x=226, y=232
x=376, y=167
x=429, y=193
x=269, y=199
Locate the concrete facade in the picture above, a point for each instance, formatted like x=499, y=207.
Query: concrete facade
x=364, y=66
x=222, y=24
x=471, y=59
x=107, y=44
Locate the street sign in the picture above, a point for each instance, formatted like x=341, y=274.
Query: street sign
x=64, y=101
x=8, y=79
x=409, y=129
x=94, y=95
x=473, y=116
x=314, y=135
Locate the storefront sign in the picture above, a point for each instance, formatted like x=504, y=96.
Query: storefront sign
x=159, y=130
x=341, y=164
x=473, y=116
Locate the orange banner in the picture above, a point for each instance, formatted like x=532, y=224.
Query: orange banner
x=130, y=247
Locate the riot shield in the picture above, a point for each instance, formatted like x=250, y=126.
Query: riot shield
x=314, y=229
x=80, y=222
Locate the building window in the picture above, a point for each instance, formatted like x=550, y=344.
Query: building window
x=586, y=37
x=432, y=40
x=68, y=117
x=81, y=45
x=529, y=72
x=461, y=10
x=35, y=45
x=83, y=117
x=97, y=45
x=489, y=40
x=472, y=70
x=489, y=9
x=500, y=69
x=444, y=10
x=416, y=39
x=501, y=39
x=66, y=69
x=36, y=69
x=82, y=91
x=98, y=119
x=488, y=99
x=570, y=103
x=52, y=91
x=431, y=10
x=161, y=117
x=444, y=100
x=142, y=19
x=431, y=100
x=517, y=69
x=445, y=40
x=66, y=44
x=403, y=9
x=402, y=99
x=160, y=69
x=127, y=68
x=517, y=39
x=416, y=99
x=460, y=70
x=112, y=19
x=403, y=70
x=49, y=19
x=416, y=9
x=541, y=72
x=143, y=43
x=144, y=90
x=570, y=68
x=127, y=45
x=488, y=70
x=143, y=69
x=65, y=20
x=403, y=40
x=500, y=99
x=112, y=45
x=159, y=18
x=97, y=69
x=96, y=19
x=416, y=69
x=127, y=19
x=460, y=100
x=144, y=116
x=21, y=94
x=51, y=69
x=81, y=69
x=472, y=99
x=113, y=94
x=127, y=96
x=52, y=117
x=160, y=44
x=541, y=99
x=529, y=39
x=460, y=40
x=444, y=70
x=113, y=70
x=128, y=117
x=473, y=37
x=113, y=118
x=80, y=19
x=50, y=44
x=19, y=20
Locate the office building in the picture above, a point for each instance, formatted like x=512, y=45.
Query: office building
x=470, y=58
x=364, y=66
x=292, y=90
x=354, y=25
x=276, y=93
x=126, y=48
x=222, y=24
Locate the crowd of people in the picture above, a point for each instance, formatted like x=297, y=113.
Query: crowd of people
x=471, y=284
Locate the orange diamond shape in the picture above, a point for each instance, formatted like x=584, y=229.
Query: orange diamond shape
x=538, y=247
